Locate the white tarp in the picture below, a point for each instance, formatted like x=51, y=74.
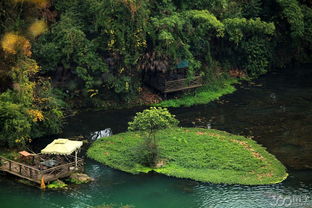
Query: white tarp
x=62, y=147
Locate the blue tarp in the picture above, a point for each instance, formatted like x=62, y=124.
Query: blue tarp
x=182, y=64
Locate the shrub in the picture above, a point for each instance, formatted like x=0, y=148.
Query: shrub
x=149, y=122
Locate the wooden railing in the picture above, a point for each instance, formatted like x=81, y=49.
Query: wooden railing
x=182, y=84
x=36, y=174
x=62, y=170
x=20, y=169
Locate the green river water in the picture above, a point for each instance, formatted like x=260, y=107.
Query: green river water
x=276, y=110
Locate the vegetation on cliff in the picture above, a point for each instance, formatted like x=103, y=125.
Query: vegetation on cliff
x=56, y=54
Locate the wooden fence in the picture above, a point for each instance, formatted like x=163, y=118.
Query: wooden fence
x=182, y=84
x=35, y=174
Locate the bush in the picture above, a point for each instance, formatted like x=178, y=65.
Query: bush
x=149, y=122
x=15, y=124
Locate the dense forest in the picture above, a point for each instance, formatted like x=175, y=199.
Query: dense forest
x=55, y=54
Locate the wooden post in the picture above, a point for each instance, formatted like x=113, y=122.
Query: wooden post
x=76, y=153
x=42, y=185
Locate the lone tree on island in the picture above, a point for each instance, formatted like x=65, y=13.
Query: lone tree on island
x=149, y=122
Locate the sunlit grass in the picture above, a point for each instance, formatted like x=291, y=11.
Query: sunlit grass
x=194, y=153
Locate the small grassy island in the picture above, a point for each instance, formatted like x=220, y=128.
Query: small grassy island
x=204, y=155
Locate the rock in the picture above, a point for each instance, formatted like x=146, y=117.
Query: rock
x=79, y=178
x=160, y=164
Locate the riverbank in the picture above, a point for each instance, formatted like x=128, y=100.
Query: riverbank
x=193, y=153
x=213, y=89
x=202, y=95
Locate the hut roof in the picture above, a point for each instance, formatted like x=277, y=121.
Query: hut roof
x=62, y=147
x=25, y=153
x=182, y=64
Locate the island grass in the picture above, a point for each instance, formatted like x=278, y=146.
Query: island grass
x=203, y=95
x=194, y=153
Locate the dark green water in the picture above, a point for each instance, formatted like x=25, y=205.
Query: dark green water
x=154, y=191
x=276, y=110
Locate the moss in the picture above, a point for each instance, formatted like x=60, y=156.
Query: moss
x=194, y=153
x=58, y=184
x=75, y=181
x=79, y=178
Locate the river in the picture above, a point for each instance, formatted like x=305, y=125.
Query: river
x=275, y=110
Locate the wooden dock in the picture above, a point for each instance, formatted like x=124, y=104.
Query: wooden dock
x=160, y=83
x=36, y=173
x=182, y=84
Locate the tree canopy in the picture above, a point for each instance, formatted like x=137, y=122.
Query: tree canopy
x=93, y=52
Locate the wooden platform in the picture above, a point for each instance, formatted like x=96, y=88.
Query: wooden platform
x=167, y=86
x=182, y=84
x=35, y=174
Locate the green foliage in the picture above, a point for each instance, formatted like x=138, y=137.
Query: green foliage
x=292, y=41
x=94, y=50
x=20, y=122
x=104, y=56
x=206, y=21
x=172, y=40
x=117, y=48
x=152, y=120
x=91, y=48
x=307, y=11
x=198, y=154
x=291, y=11
x=28, y=108
x=251, y=8
x=258, y=55
x=15, y=124
x=237, y=28
x=222, y=8
x=187, y=36
x=252, y=39
x=69, y=48
x=58, y=184
x=305, y=55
